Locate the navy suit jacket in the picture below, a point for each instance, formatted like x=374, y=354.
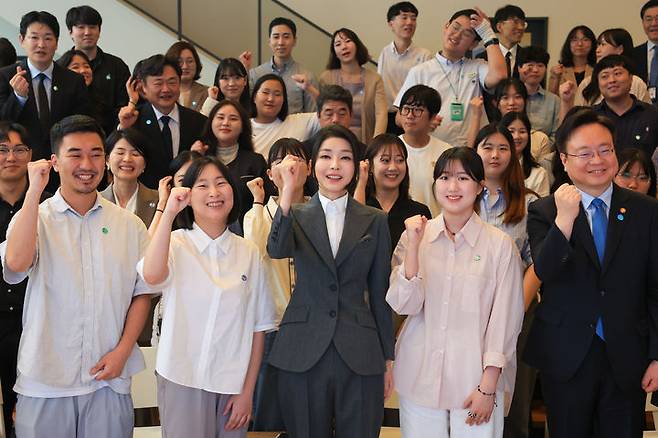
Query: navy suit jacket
x=68, y=96
x=640, y=61
x=329, y=301
x=192, y=124
x=577, y=289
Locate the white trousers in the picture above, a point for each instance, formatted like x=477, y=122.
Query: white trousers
x=421, y=422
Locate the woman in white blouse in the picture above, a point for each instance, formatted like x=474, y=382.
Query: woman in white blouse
x=456, y=354
x=216, y=308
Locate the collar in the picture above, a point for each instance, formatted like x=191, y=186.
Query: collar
x=202, y=241
x=604, y=105
x=60, y=205
x=443, y=60
x=586, y=199
x=339, y=205
x=174, y=114
x=540, y=91
x=470, y=231
x=485, y=197
x=650, y=45
x=35, y=71
x=286, y=65
x=513, y=49
x=395, y=50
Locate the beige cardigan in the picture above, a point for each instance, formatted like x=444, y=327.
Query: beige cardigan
x=196, y=98
x=568, y=75
x=374, y=111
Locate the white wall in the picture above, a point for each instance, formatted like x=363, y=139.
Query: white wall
x=368, y=17
x=124, y=33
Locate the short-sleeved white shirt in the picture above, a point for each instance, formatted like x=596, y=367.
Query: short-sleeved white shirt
x=80, y=286
x=213, y=301
x=456, y=82
x=301, y=126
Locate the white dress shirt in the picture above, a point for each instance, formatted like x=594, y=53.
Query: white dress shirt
x=174, y=126
x=80, y=286
x=334, y=215
x=35, y=83
x=131, y=205
x=214, y=299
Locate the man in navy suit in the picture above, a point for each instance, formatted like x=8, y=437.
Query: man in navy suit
x=595, y=248
x=646, y=63
x=38, y=93
x=170, y=127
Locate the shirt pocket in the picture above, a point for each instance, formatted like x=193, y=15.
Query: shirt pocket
x=475, y=290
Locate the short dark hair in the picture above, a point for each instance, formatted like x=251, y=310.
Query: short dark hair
x=336, y=93
x=7, y=52
x=337, y=131
x=133, y=136
x=185, y=219
x=282, y=21
x=83, y=15
x=230, y=67
x=566, y=55
x=422, y=95
x=283, y=113
x=503, y=87
x=577, y=120
x=286, y=146
x=592, y=91
x=6, y=127
x=469, y=159
x=174, y=53
x=245, y=142
x=465, y=13
x=42, y=17
x=648, y=5
x=182, y=159
x=533, y=54
x=71, y=125
x=66, y=59
x=507, y=12
x=629, y=156
x=399, y=8
x=362, y=55
x=155, y=65
x=377, y=145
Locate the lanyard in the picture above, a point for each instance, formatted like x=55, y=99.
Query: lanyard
x=455, y=91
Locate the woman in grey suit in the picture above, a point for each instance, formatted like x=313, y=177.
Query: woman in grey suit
x=126, y=160
x=334, y=349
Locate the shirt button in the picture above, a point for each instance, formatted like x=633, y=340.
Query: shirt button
x=602, y=293
x=332, y=287
x=8, y=290
x=11, y=308
x=332, y=313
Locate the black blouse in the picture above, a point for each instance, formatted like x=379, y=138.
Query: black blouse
x=401, y=210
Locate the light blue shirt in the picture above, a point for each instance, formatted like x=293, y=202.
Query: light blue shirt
x=586, y=199
x=48, y=82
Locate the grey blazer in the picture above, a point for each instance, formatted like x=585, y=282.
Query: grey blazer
x=147, y=202
x=339, y=300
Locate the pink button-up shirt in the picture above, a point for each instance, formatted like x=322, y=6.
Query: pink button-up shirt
x=465, y=310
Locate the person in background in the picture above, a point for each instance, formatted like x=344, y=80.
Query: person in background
x=636, y=172
x=192, y=93
x=282, y=39
x=7, y=52
x=397, y=58
x=110, y=72
x=643, y=55
x=577, y=58
x=231, y=82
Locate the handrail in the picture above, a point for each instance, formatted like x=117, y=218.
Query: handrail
x=301, y=17
x=179, y=31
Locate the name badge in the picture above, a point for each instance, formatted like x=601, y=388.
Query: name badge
x=456, y=112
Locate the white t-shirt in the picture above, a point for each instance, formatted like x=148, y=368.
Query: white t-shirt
x=421, y=163
x=301, y=126
x=214, y=299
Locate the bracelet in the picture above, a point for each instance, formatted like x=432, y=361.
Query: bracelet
x=258, y=203
x=488, y=394
x=133, y=103
x=160, y=210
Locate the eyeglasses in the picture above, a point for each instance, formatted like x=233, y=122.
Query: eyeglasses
x=586, y=156
x=641, y=178
x=517, y=22
x=464, y=31
x=18, y=151
x=416, y=111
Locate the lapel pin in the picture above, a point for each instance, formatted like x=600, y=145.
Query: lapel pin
x=244, y=277
x=622, y=210
x=193, y=103
x=148, y=122
x=105, y=230
x=151, y=204
x=54, y=87
x=108, y=77
x=637, y=137
x=620, y=217
x=476, y=258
